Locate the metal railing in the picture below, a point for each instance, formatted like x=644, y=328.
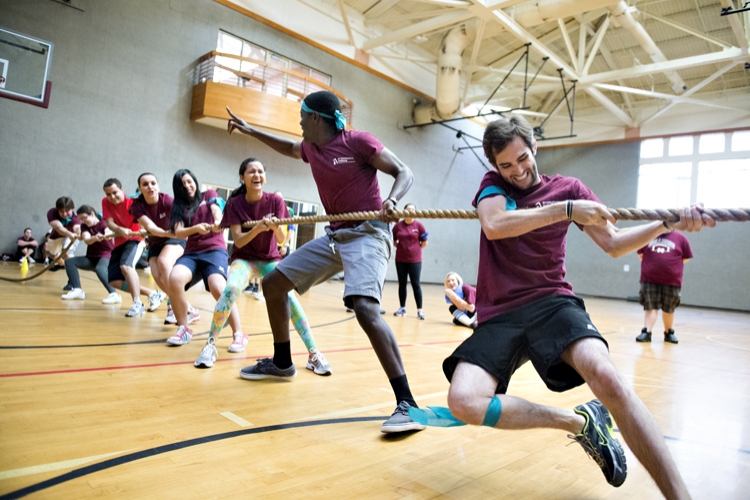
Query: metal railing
x=263, y=76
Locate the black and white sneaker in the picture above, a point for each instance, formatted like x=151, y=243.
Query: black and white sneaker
x=266, y=369
x=598, y=441
x=400, y=421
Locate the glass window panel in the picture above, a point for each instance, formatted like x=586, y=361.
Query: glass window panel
x=681, y=146
x=711, y=143
x=724, y=183
x=741, y=141
x=652, y=148
x=664, y=185
x=228, y=43
x=253, y=51
x=321, y=77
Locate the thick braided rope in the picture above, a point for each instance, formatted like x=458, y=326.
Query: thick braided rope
x=669, y=215
x=46, y=268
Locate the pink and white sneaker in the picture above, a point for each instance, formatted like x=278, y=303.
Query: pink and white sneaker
x=239, y=342
x=182, y=336
x=193, y=315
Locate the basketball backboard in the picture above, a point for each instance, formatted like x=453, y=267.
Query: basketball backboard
x=24, y=67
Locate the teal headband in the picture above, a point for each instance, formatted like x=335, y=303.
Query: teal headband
x=337, y=116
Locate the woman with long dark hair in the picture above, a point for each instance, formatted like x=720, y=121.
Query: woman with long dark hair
x=255, y=253
x=196, y=216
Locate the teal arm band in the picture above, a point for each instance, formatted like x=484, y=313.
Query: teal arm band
x=494, y=410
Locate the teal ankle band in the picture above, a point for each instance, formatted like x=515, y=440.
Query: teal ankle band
x=493, y=413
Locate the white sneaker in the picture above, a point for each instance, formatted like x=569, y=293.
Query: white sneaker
x=258, y=296
x=155, y=299
x=193, y=315
x=136, y=310
x=239, y=342
x=75, y=293
x=31, y=260
x=207, y=356
x=182, y=336
x=318, y=363
x=170, y=319
x=112, y=298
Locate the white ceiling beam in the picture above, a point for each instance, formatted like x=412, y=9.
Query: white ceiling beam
x=687, y=29
x=405, y=17
x=519, y=74
x=474, y=53
x=524, y=35
x=447, y=3
x=568, y=44
x=610, y=106
x=733, y=54
x=345, y=20
x=691, y=91
x=611, y=64
x=404, y=57
x=418, y=28
x=595, y=48
x=734, y=23
x=659, y=95
x=581, y=44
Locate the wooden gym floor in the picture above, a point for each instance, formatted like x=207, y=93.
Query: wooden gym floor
x=95, y=405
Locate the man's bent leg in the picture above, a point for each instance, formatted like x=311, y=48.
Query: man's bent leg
x=590, y=358
x=381, y=337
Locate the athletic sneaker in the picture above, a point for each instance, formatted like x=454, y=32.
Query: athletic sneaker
x=31, y=260
x=75, y=293
x=382, y=311
x=239, y=342
x=645, y=336
x=401, y=312
x=155, y=299
x=170, y=319
x=193, y=315
x=181, y=337
x=669, y=337
x=266, y=369
x=318, y=363
x=598, y=441
x=420, y=314
x=349, y=310
x=112, y=298
x=400, y=421
x=68, y=287
x=258, y=296
x=207, y=356
x=136, y=310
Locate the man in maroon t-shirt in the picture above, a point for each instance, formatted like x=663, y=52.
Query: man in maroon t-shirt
x=663, y=261
x=344, y=164
x=527, y=311
x=66, y=227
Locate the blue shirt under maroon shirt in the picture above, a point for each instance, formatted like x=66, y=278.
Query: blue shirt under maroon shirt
x=53, y=214
x=346, y=180
x=522, y=269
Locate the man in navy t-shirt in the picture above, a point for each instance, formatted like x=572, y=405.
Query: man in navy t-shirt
x=527, y=311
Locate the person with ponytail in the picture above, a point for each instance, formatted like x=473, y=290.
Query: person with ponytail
x=196, y=215
x=345, y=165
x=255, y=253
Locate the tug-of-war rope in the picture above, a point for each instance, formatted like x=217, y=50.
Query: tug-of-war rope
x=659, y=214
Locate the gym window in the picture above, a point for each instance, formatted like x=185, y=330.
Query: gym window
x=712, y=168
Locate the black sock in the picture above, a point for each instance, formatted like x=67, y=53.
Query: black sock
x=282, y=354
x=401, y=389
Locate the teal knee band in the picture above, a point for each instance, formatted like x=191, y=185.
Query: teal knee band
x=125, y=286
x=493, y=413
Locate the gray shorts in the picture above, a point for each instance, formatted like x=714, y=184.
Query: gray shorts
x=362, y=252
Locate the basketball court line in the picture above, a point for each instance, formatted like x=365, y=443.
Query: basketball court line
x=67, y=464
x=236, y=419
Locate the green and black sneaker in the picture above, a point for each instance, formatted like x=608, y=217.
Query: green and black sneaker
x=598, y=441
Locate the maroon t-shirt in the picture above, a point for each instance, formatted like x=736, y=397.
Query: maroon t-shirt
x=121, y=216
x=69, y=224
x=100, y=249
x=158, y=213
x=407, y=239
x=519, y=270
x=263, y=246
x=663, y=259
x=346, y=180
x=211, y=240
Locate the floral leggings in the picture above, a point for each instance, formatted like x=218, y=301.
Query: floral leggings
x=240, y=274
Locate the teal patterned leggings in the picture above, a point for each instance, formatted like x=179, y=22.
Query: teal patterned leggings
x=240, y=274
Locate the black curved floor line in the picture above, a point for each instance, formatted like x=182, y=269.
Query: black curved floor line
x=132, y=457
x=153, y=341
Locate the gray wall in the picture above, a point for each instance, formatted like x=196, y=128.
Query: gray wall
x=717, y=276
x=121, y=88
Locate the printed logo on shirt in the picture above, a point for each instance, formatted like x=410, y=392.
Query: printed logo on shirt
x=343, y=159
x=591, y=327
x=661, y=245
x=162, y=215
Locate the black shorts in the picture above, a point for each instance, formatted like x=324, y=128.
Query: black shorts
x=654, y=297
x=204, y=264
x=155, y=249
x=540, y=331
x=126, y=254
